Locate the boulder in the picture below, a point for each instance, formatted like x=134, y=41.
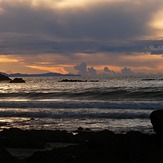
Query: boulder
x=6, y=157
x=157, y=121
x=17, y=80
x=3, y=78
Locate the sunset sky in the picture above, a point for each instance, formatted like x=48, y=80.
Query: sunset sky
x=38, y=36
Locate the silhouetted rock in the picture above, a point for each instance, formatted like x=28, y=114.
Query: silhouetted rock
x=157, y=121
x=85, y=146
x=148, y=79
x=3, y=78
x=17, y=138
x=72, y=80
x=62, y=155
x=33, y=138
x=17, y=80
x=75, y=80
x=5, y=157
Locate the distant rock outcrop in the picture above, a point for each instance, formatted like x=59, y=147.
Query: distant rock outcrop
x=3, y=78
x=17, y=80
x=74, y=80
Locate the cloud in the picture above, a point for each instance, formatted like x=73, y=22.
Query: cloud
x=99, y=20
x=63, y=32
x=106, y=70
x=18, y=43
x=126, y=71
x=36, y=26
x=84, y=71
x=92, y=71
x=81, y=69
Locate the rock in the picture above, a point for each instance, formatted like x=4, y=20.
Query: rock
x=61, y=155
x=157, y=121
x=17, y=80
x=6, y=157
x=72, y=80
x=17, y=138
x=3, y=78
x=75, y=80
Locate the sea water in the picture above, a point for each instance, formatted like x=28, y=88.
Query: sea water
x=118, y=104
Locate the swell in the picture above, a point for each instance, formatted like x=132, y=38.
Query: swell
x=133, y=105
x=74, y=114
x=113, y=93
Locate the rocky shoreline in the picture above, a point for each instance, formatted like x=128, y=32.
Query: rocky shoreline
x=81, y=146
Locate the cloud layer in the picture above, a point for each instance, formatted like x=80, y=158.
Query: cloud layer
x=68, y=32
x=33, y=26
x=99, y=20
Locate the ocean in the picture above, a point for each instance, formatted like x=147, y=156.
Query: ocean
x=119, y=104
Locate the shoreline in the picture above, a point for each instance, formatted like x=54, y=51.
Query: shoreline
x=60, y=146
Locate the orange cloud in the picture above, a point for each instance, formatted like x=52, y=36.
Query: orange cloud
x=63, y=64
x=142, y=57
x=58, y=69
x=7, y=59
x=157, y=23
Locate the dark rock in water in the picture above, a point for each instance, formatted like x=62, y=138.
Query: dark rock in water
x=3, y=78
x=17, y=80
x=157, y=121
x=148, y=79
x=74, y=80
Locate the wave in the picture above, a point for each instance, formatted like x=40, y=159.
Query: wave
x=146, y=105
x=74, y=115
x=113, y=93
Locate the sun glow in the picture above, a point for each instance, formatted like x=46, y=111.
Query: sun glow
x=55, y=4
x=157, y=23
x=7, y=59
x=58, y=69
x=143, y=58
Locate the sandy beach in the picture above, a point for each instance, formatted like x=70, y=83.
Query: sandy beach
x=83, y=145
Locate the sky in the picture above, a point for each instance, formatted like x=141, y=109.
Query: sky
x=38, y=36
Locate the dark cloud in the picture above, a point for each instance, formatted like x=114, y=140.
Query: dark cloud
x=106, y=70
x=126, y=71
x=81, y=69
x=23, y=18
x=116, y=20
x=92, y=71
x=84, y=71
x=43, y=29
x=16, y=43
x=104, y=30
